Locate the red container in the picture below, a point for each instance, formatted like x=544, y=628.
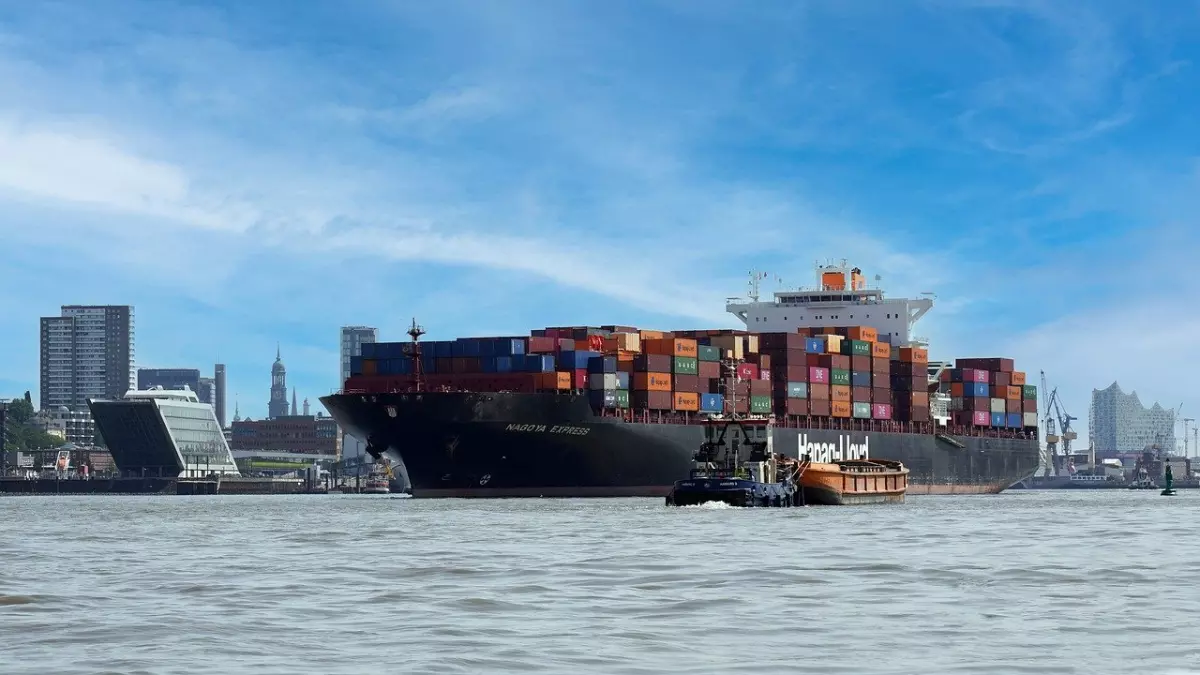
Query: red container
x=790, y=373
x=688, y=384
x=994, y=364
x=741, y=406
x=830, y=361
x=860, y=394
x=1002, y=379
x=818, y=391
x=881, y=396
x=912, y=414
x=652, y=363
x=540, y=345
x=1028, y=406
x=760, y=387
x=882, y=366
x=651, y=400
x=881, y=381
x=581, y=378
x=747, y=371
x=818, y=375
x=819, y=407
x=709, y=369
x=860, y=363
x=881, y=411
x=1011, y=406
x=791, y=406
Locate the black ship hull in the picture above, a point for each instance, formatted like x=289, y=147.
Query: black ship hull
x=546, y=445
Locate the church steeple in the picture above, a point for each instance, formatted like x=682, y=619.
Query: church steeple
x=278, y=406
x=237, y=415
x=294, y=411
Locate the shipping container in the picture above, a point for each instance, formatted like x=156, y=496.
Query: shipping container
x=981, y=419
x=997, y=419
x=856, y=348
x=840, y=408
x=819, y=407
x=770, y=342
x=797, y=407
x=789, y=373
x=356, y=365
x=882, y=396
x=539, y=363
x=686, y=365
x=708, y=369
x=626, y=341
x=833, y=345
x=603, y=381
x=990, y=364
x=860, y=410
x=883, y=351
x=818, y=375
x=839, y=392
x=760, y=388
x=581, y=375
x=1028, y=406
x=1001, y=379
x=818, y=391
x=1029, y=391
x=764, y=375
x=509, y=346
x=540, y=345
x=689, y=384
x=370, y=367
x=792, y=389
x=881, y=411
x=652, y=381
x=763, y=361
x=997, y=405
x=839, y=377
x=760, y=404
x=1029, y=419
x=1017, y=378
x=881, y=366
x=814, y=345
x=652, y=363
x=602, y=364
x=1013, y=420
x=561, y=381
x=651, y=400
x=708, y=353
x=686, y=401
x=747, y=371
x=712, y=402
x=860, y=379
x=730, y=345
x=862, y=333
x=600, y=398
x=367, y=350
x=913, y=355
x=685, y=347
x=741, y=406
x=574, y=360
x=860, y=394
x=860, y=363
x=1011, y=406
x=977, y=389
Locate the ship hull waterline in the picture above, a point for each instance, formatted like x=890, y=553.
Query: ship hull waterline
x=463, y=445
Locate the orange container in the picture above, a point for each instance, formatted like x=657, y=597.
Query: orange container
x=652, y=381
x=553, y=381
x=368, y=367
x=839, y=392
x=914, y=355
x=956, y=389
x=1017, y=378
x=583, y=345
x=652, y=335
x=670, y=347
x=1012, y=393
x=686, y=402
x=839, y=408
x=623, y=342
x=920, y=399
x=864, y=333
x=881, y=350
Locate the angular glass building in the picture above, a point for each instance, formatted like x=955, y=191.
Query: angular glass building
x=1119, y=423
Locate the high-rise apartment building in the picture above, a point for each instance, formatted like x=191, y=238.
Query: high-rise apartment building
x=353, y=338
x=87, y=352
x=1119, y=423
x=169, y=378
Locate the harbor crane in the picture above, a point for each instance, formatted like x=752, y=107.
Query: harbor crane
x=1186, y=421
x=1056, y=418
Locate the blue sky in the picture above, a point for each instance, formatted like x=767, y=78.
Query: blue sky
x=247, y=173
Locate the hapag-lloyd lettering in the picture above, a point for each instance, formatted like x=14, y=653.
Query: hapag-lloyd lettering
x=844, y=449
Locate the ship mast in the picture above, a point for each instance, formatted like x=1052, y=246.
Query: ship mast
x=415, y=332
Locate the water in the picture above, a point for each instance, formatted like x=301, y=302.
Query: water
x=1033, y=582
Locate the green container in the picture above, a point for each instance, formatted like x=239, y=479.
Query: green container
x=841, y=377
x=622, y=398
x=1029, y=392
x=760, y=404
x=708, y=353
x=856, y=348
x=797, y=390
x=862, y=411
x=686, y=365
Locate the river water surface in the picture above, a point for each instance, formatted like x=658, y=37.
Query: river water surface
x=1023, y=582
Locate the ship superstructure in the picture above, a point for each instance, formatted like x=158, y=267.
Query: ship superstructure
x=841, y=298
x=165, y=433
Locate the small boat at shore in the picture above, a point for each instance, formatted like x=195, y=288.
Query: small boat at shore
x=736, y=465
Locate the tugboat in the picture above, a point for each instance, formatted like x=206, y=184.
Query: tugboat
x=735, y=465
x=378, y=480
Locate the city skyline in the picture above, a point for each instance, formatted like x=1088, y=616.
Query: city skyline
x=1027, y=162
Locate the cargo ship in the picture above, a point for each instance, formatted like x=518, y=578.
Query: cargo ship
x=609, y=411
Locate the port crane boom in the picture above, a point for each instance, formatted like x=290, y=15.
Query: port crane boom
x=1056, y=418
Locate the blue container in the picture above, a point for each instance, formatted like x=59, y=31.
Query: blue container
x=487, y=364
x=980, y=390
x=367, y=349
x=712, y=402
x=508, y=346
x=998, y=419
x=404, y=366
x=487, y=348
x=356, y=365
x=443, y=349
x=384, y=367
x=505, y=364
x=859, y=378
x=470, y=347
x=622, y=380
x=814, y=345
x=537, y=363
x=1014, y=421
x=429, y=364
x=577, y=360
x=602, y=364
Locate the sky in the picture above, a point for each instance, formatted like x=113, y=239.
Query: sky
x=247, y=174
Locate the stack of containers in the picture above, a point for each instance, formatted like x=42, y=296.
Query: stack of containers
x=815, y=376
x=685, y=369
x=829, y=378
x=971, y=401
x=708, y=370
x=651, y=387
x=910, y=384
x=858, y=346
x=607, y=387
x=1012, y=404
x=575, y=361
x=788, y=358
